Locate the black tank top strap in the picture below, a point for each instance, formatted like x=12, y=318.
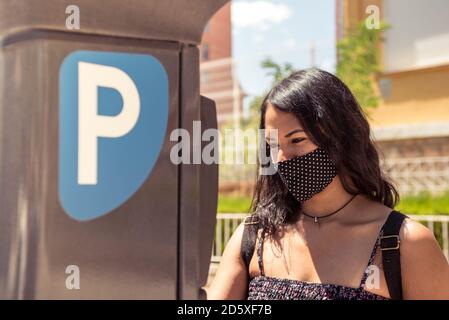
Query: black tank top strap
x=260, y=253
x=367, y=272
x=251, y=225
x=388, y=241
x=391, y=260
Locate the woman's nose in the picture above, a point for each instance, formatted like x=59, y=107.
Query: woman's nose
x=282, y=155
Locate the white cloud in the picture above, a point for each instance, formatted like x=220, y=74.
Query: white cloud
x=259, y=14
x=290, y=43
x=257, y=38
x=285, y=31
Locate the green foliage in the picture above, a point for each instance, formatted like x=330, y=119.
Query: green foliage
x=421, y=204
x=358, y=62
x=233, y=204
x=425, y=203
x=277, y=72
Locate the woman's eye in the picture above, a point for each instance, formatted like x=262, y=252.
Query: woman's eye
x=298, y=140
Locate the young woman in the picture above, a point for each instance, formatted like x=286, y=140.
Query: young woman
x=324, y=222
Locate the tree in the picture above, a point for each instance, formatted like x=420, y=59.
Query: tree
x=277, y=72
x=358, y=62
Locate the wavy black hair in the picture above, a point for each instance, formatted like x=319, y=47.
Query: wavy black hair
x=334, y=121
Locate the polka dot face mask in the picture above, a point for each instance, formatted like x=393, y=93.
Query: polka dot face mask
x=308, y=174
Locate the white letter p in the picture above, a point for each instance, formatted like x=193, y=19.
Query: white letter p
x=91, y=125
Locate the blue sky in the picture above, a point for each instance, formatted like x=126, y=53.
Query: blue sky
x=284, y=31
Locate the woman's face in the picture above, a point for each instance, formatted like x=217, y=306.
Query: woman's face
x=292, y=141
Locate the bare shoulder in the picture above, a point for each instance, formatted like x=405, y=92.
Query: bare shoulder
x=417, y=241
x=425, y=269
x=230, y=281
x=415, y=232
x=234, y=243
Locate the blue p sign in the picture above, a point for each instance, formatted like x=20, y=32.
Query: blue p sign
x=113, y=113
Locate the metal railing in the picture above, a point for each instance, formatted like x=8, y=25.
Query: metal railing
x=414, y=175
x=228, y=222
x=410, y=175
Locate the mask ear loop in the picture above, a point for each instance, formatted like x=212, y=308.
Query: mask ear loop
x=283, y=180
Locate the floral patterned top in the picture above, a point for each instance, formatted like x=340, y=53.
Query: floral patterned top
x=270, y=288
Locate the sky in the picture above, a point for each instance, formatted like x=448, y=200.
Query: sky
x=282, y=30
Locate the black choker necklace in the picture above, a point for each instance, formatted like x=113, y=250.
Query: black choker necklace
x=330, y=214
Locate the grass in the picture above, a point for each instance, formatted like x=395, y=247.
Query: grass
x=423, y=203
x=233, y=204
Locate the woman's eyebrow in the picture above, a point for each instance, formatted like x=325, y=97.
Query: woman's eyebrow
x=287, y=135
x=293, y=132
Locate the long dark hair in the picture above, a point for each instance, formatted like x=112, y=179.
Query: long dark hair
x=334, y=121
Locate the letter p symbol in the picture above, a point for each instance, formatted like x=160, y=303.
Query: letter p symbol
x=113, y=117
x=92, y=125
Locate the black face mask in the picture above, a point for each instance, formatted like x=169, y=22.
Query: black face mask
x=307, y=175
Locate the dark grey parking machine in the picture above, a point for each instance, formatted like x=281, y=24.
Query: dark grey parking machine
x=92, y=204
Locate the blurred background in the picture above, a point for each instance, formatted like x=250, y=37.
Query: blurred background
x=399, y=72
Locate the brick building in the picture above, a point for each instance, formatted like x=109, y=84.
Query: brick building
x=218, y=69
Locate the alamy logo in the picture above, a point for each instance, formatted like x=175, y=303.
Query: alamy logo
x=113, y=113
